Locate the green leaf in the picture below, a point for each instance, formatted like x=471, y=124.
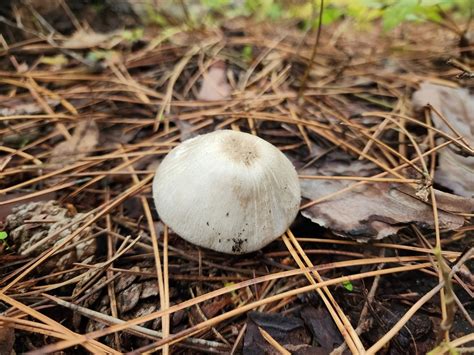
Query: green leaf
x=247, y=53
x=274, y=11
x=348, y=286
x=230, y=284
x=215, y=4
x=133, y=35
x=331, y=14
x=96, y=55
x=3, y=235
x=59, y=59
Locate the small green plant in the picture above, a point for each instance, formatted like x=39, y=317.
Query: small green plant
x=348, y=286
x=3, y=239
x=247, y=53
x=58, y=60
x=133, y=35
x=100, y=54
x=391, y=12
x=444, y=348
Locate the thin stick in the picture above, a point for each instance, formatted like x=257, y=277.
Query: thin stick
x=278, y=347
x=313, y=53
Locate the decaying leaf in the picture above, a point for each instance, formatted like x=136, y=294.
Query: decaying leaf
x=214, y=84
x=209, y=308
x=288, y=331
x=322, y=326
x=7, y=339
x=412, y=338
x=82, y=142
x=374, y=210
x=457, y=106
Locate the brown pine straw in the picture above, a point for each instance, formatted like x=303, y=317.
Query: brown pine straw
x=406, y=317
x=94, y=346
x=152, y=334
x=343, y=324
x=164, y=294
x=276, y=345
x=111, y=250
x=101, y=211
x=204, y=325
x=266, y=97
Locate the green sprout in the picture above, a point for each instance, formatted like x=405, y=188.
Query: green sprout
x=3, y=238
x=247, y=52
x=348, y=286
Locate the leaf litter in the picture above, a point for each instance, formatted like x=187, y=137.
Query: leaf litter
x=140, y=268
x=83, y=141
x=455, y=170
x=214, y=85
x=376, y=210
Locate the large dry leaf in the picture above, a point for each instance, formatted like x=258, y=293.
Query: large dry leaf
x=374, y=210
x=457, y=106
x=214, y=84
x=83, y=141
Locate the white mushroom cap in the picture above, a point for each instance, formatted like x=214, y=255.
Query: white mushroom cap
x=227, y=191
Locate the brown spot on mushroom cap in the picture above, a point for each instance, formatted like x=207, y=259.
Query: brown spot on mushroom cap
x=242, y=151
x=243, y=196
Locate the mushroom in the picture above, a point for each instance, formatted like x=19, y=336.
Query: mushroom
x=229, y=191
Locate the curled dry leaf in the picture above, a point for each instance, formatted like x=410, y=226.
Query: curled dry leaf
x=82, y=142
x=454, y=171
x=214, y=85
x=374, y=210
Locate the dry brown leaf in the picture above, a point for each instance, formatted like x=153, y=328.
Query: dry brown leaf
x=374, y=210
x=214, y=84
x=82, y=142
x=7, y=339
x=457, y=106
x=288, y=331
x=322, y=327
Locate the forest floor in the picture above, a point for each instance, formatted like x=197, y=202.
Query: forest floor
x=378, y=124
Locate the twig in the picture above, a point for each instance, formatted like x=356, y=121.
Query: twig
x=153, y=334
x=313, y=53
